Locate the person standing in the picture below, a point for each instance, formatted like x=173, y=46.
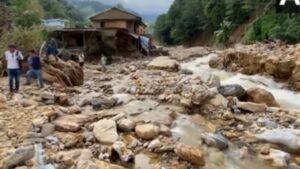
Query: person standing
x=13, y=58
x=35, y=70
x=81, y=58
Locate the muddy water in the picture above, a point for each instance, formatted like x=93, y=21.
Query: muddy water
x=286, y=98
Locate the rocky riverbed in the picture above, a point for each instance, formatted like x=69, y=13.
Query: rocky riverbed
x=172, y=112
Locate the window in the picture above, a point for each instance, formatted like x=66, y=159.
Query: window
x=102, y=24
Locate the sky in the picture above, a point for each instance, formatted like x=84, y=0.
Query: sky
x=143, y=6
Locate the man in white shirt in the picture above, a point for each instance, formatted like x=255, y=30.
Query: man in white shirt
x=13, y=58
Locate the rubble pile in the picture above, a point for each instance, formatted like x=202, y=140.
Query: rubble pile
x=128, y=115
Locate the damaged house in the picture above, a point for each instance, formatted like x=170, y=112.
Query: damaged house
x=114, y=29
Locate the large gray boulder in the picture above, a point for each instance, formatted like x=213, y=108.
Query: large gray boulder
x=232, y=90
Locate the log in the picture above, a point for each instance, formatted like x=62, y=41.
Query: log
x=67, y=73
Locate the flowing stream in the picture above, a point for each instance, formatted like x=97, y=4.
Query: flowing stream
x=189, y=133
x=287, y=99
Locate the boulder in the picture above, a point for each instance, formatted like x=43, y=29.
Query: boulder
x=190, y=154
x=17, y=157
x=232, y=90
x=125, y=154
x=259, y=95
x=252, y=107
x=147, y=131
x=164, y=63
x=126, y=124
x=70, y=123
x=288, y=138
x=105, y=131
x=214, y=61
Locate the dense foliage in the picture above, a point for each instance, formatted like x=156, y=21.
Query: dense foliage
x=187, y=19
x=20, y=21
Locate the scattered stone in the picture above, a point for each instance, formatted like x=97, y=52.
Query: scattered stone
x=164, y=63
x=47, y=129
x=155, y=144
x=126, y=125
x=48, y=98
x=190, y=154
x=232, y=90
x=70, y=123
x=252, y=107
x=105, y=131
x=147, y=131
x=259, y=95
x=124, y=153
x=17, y=157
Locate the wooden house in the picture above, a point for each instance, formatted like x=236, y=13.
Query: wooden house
x=115, y=18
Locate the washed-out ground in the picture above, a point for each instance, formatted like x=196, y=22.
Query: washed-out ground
x=159, y=112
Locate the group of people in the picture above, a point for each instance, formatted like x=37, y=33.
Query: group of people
x=14, y=59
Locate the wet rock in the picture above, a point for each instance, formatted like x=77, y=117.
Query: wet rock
x=216, y=140
x=190, y=154
x=125, y=154
x=214, y=61
x=278, y=158
x=105, y=131
x=259, y=95
x=288, y=138
x=147, y=131
x=17, y=157
x=212, y=81
x=164, y=63
x=252, y=107
x=70, y=123
x=126, y=124
x=232, y=90
x=186, y=71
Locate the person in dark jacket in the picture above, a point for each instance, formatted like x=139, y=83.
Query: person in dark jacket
x=35, y=70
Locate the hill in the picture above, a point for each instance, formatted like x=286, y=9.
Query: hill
x=221, y=21
x=88, y=8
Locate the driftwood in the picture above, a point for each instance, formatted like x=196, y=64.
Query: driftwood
x=64, y=73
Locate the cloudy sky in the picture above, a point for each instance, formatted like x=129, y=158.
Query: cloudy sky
x=143, y=6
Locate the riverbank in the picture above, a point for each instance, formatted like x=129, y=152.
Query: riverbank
x=172, y=111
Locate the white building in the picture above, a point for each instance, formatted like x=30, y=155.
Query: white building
x=54, y=23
